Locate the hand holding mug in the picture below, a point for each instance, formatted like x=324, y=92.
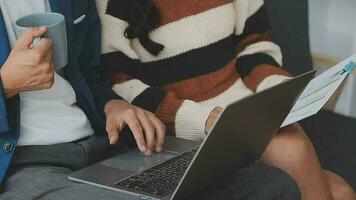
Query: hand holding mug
x=28, y=68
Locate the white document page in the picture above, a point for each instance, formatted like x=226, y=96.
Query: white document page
x=319, y=91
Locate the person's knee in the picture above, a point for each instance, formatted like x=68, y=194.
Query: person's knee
x=342, y=191
x=339, y=188
x=292, y=149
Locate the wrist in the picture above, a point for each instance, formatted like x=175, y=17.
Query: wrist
x=111, y=104
x=213, y=117
x=9, y=93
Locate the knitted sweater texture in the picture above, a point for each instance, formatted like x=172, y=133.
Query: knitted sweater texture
x=216, y=52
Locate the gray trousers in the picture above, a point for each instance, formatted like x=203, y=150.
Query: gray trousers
x=40, y=172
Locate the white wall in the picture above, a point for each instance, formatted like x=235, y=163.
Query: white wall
x=333, y=26
x=333, y=32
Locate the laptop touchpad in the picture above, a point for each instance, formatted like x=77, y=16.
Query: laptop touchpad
x=136, y=161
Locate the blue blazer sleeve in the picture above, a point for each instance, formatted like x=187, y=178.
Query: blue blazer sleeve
x=4, y=123
x=91, y=58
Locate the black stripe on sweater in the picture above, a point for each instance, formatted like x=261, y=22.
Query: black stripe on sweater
x=149, y=99
x=246, y=64
x=118, y=62
x=185, y=66
x=118, y=9
x=257, y=23
x=191, y=64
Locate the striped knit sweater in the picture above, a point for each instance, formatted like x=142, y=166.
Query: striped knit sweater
x=216, y=52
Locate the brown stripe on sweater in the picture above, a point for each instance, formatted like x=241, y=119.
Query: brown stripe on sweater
x=167, y=111
x=252, y=39
x=260, y=72
x=206, y=86
x=118, y=78
x=218, y=89
x=173, y=10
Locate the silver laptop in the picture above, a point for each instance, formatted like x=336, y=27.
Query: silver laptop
x=238, y=138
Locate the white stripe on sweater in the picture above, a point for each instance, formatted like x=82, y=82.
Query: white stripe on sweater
x=113, y=38
x=244, y=10
x=102, y=5
x=129, y=90
x=189, y=33
x=236, y=92
x=265, y=47
x=271, y=81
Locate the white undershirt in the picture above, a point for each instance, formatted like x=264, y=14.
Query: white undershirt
x=48, y=116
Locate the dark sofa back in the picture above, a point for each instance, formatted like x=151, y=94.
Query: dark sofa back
x=289, y=21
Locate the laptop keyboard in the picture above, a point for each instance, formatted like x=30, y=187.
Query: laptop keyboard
x=162, y=179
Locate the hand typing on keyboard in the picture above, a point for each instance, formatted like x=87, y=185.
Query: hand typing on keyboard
x=148, y=130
